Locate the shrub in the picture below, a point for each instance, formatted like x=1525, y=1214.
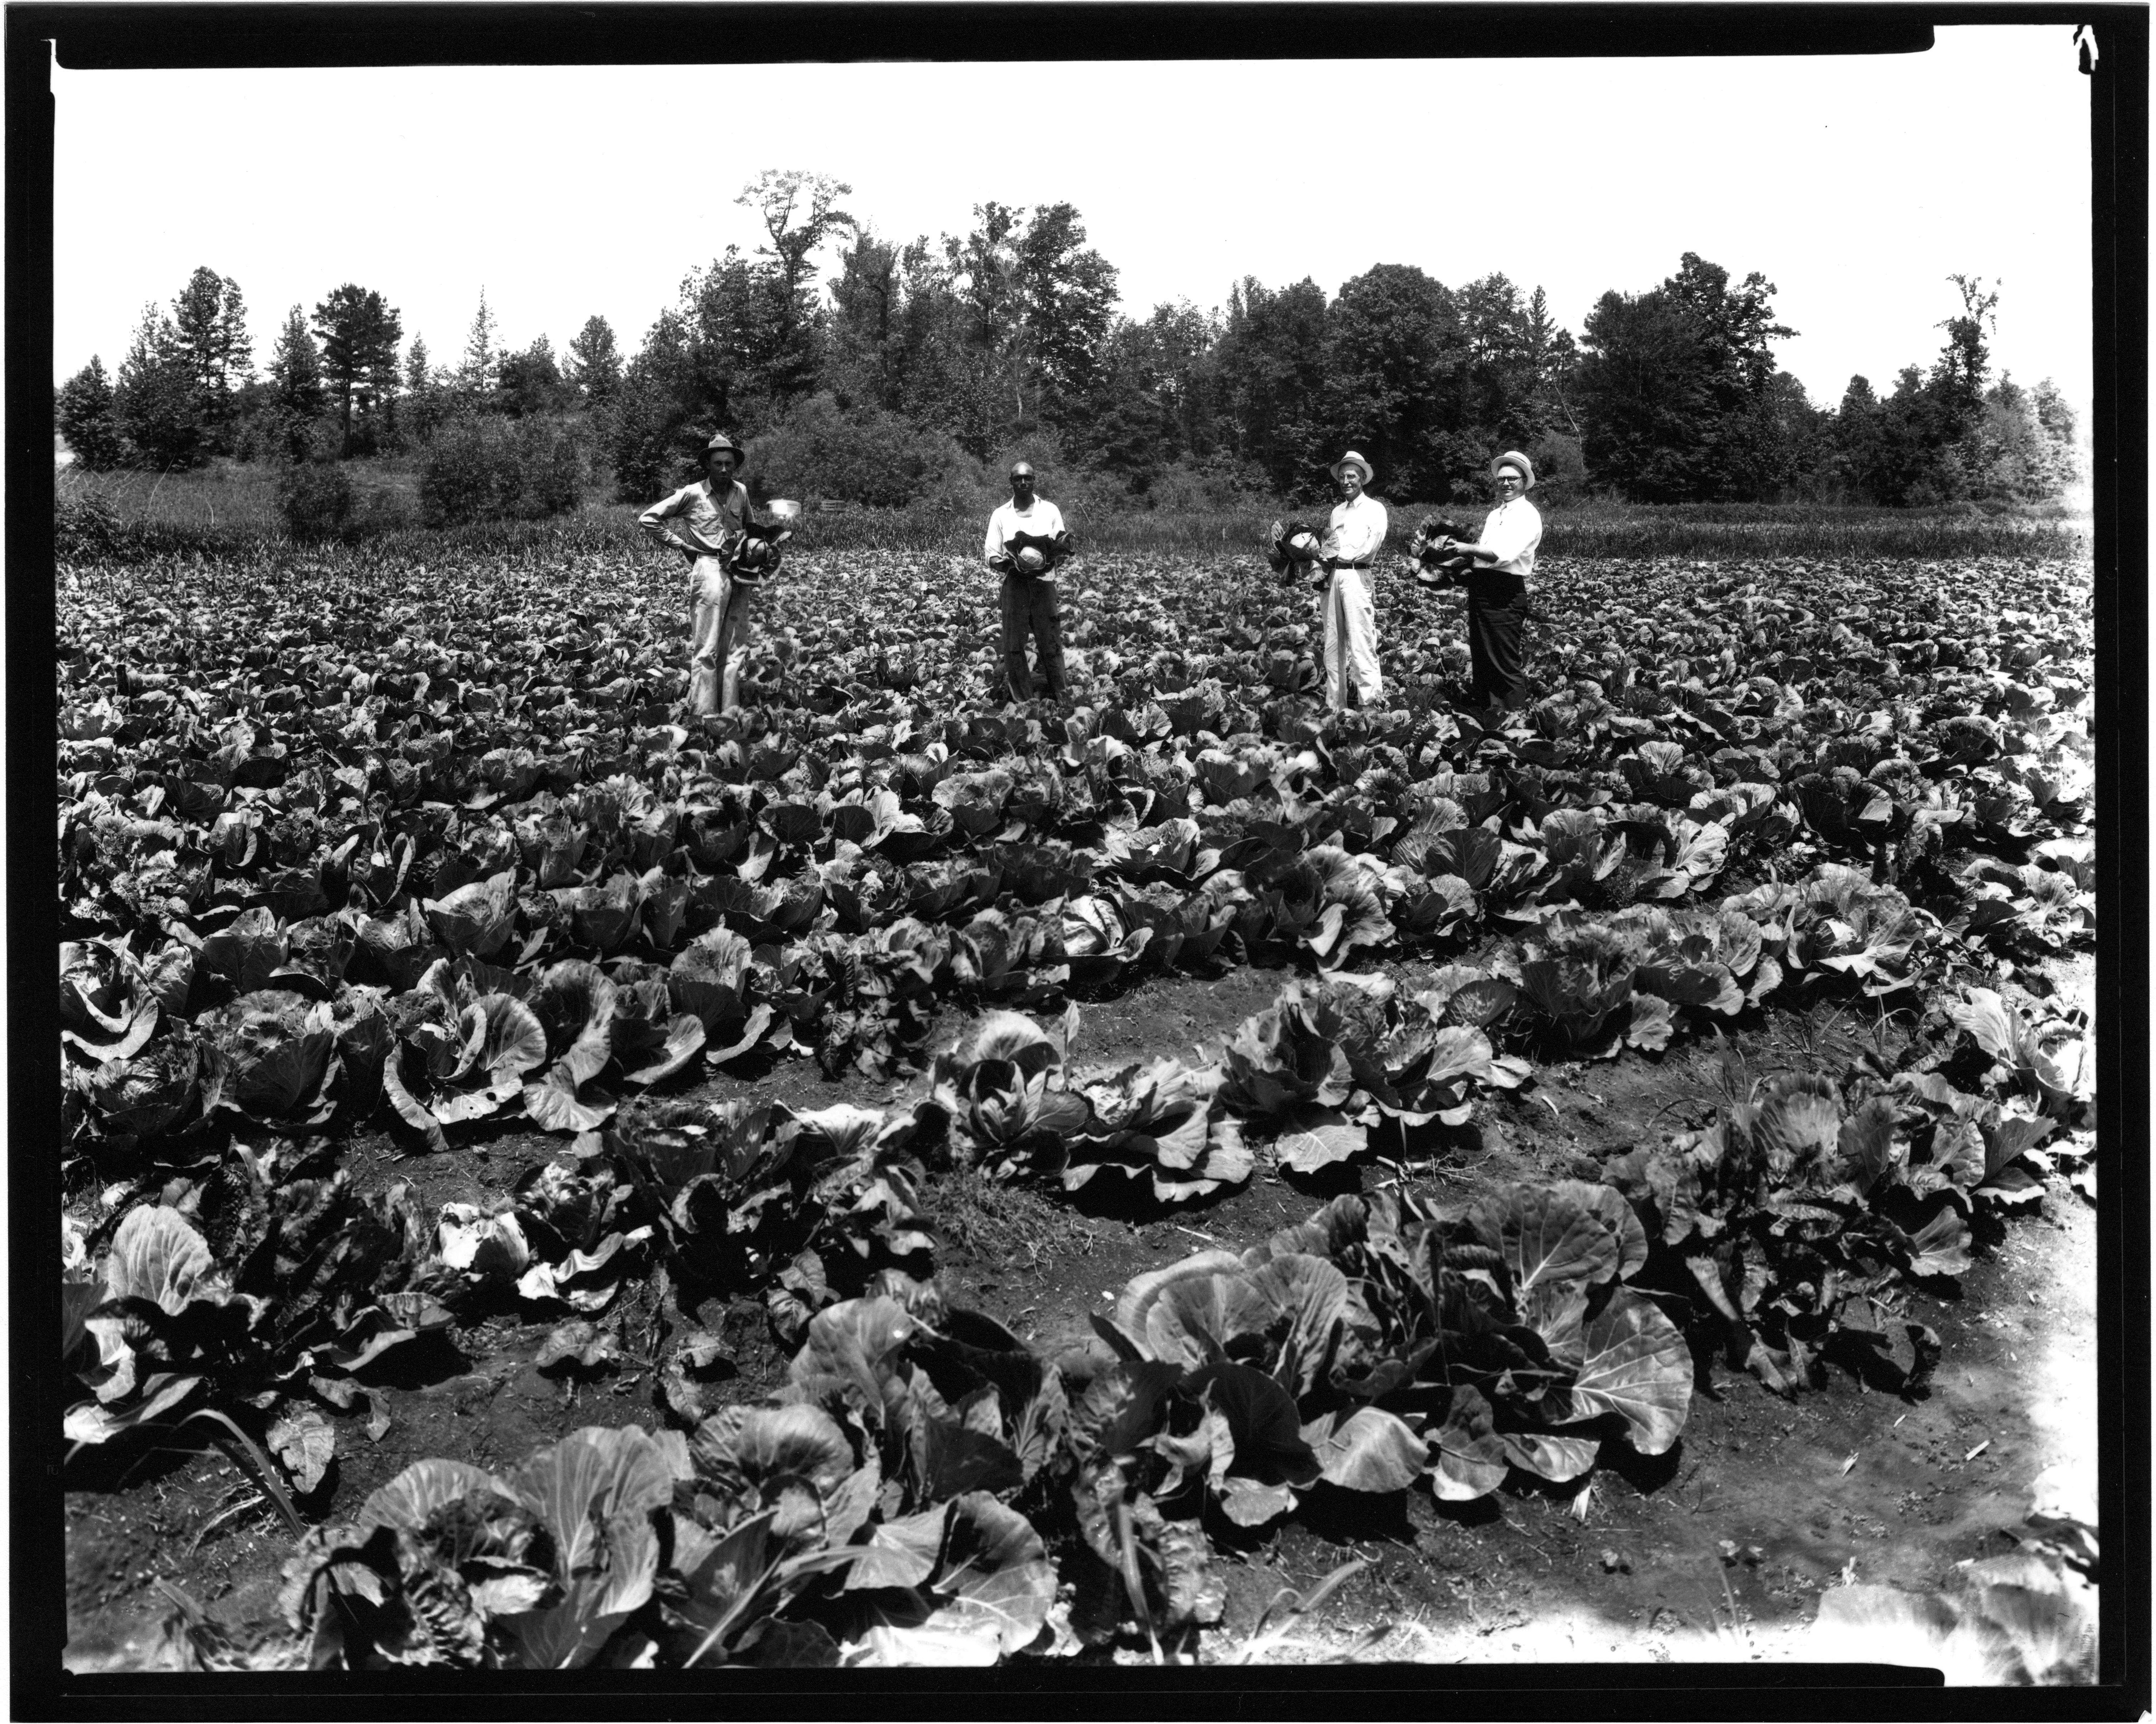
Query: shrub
x=315, y=498
x=478, y=469
x=281, y=435
x=862, y=454
x=469, y=473
x=551, y=464
x=1191, y=486
x=85, y=525
x=1560, y=469
x=649, y=440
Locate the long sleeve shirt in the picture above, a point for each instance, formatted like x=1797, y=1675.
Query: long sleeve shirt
x=1043, y=520
x=1355, y=530
x=697, y=513
x=1513, y=531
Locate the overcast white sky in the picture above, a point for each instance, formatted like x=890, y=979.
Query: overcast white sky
x=1854, y=184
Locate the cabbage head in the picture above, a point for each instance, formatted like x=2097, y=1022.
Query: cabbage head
x=268, y=1054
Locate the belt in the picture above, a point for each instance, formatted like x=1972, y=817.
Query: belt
x=1330, y=564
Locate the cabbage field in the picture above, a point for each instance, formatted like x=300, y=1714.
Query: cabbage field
x=887, y=1176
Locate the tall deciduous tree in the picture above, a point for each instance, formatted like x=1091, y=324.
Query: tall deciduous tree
x=360, y=332
x=1950, y=432
x=1270, y=362
x=1677, y=393
x=648, y=425
x=531, y=380
x=1396, y=370
x=1035, y=305
x=1644, y=396
x=2055, y=415
x=1068, y=293
x=736, y=360
x=1962, y=370
x=1551, y=355
x=865, y=362
x=799, y=211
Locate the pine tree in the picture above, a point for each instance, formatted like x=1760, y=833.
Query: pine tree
x=209, y=320
x=427, y=399
x=594, y=362
x=198, y=327
x=360, y=333
x=295, y=368
x=235, y=349
x=86, y=418
x=154, y=400
x=482, y=367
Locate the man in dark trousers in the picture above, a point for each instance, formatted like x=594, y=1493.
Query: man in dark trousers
x=1026, y=540
x=1503, y=558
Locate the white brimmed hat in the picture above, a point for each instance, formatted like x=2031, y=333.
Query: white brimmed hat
x=1352, y=460
x=1512, y=458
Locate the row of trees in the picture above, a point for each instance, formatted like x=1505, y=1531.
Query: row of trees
x=1680, y=398
x=336, y=386
x=914, y=362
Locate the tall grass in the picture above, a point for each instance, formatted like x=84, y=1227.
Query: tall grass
x=1591, y=530
x=230, y=510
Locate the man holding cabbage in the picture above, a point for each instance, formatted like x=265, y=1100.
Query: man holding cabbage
x=1494, y=569
x=1354, y=534
x=730, y=557
x=1026, y=540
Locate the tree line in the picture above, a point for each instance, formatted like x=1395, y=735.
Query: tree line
x=891, y=380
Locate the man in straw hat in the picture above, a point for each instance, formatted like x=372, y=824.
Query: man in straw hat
x=1504, y=558
x=1353, y=538
x=1026, y=539
x=706, y=520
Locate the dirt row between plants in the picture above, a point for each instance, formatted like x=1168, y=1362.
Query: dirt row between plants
x=1718, y=1549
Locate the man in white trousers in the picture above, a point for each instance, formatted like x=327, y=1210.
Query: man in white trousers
x=704, y=520
x=1352, y=539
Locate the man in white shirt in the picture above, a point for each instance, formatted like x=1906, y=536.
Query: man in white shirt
x=1352, y=539
x=1026, y=540
x=705, y=520
x=1497, y=585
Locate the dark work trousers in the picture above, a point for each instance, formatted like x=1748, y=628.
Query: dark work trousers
x=1497, y=611
x=1029, y=608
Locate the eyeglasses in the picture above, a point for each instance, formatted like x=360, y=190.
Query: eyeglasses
x=1510, y=479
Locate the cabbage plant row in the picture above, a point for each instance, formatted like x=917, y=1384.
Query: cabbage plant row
x=1386, y=1343
x=927, y=1489
x=803, y=1206
x=460, y=854
x=281, y=820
